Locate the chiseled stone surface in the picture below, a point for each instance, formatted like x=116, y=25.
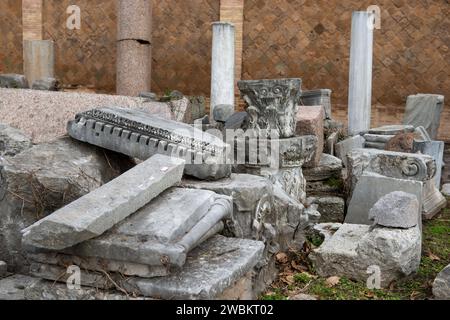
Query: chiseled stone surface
x=43, y=115
x=210, y=269
x=354, y=248
x=396, y=210
x=441, y=285
x=60, y=172
x=98, y=211
x=162, y=232
x=13, y=287
x=370, y=188
x=141, y=135
x=12, y=141
x=310, y=122
x=13, y=81
x=282, y=95
x=328, y=167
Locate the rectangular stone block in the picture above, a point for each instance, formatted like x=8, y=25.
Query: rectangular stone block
x=320, y=97
x=328, y=167
x=134, y=63
x=310, y=123
x=343, y=148
x=434, y=149
x=98, y=211
x=38, y=60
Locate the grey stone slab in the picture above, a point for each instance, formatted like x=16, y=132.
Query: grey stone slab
x=375, y=145
x=396, y=210
x=370, y=188
x=318, y=97
x=44, y=178
x=441, y=285
x=433, y=200
x=353, y=248
x=141, y=135
x=329, y=166
x=13, y=141
x=13, y=287
x=46, y=84
x=344, y=147
x=223, y=112
x=392, y=129
x=162, y=232
x=424, y=110
x=434, y=149
x=98, y=211
x=210, y=269
x=237, y=121
x=332, y=209
x=421, y=134
x=13, y=81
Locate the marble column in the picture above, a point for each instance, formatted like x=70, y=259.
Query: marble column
x=222, y=65
x=134, y=32
x=360, y=86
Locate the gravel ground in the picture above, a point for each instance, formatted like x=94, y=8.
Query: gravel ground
x=43, y=115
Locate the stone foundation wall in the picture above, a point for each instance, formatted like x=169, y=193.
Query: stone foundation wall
x=281, y=38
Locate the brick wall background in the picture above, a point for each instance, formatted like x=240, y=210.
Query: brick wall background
x=282, y=38
x=11, y=36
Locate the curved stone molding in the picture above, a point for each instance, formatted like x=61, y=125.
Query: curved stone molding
x=272, y=104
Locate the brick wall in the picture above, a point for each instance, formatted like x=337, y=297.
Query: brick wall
x=11, y=36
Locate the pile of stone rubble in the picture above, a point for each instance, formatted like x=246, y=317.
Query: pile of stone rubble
x=193, y=220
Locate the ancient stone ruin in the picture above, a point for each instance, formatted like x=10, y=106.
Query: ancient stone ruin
x=160, y=196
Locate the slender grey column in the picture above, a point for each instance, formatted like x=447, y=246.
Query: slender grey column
x=222, y=65
x=360, y=86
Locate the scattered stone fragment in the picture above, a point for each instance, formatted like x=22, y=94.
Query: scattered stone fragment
x=421, y=134
x=434, y=149
x=12, y=141
x=237, y=121
x=182, y=109
x=13, y=287
x=46, y=84
x=441, y=285
x=332, y=209
x=392, y=129
x=433, y=200
x=354, y=248
x=446, y=190
x=372, y=187
x=375, y=145
x=396, y=210
x=13, y=81
x=378, y=138
x=44, y=178
x=344, y=147
x=329, y=166
x=310, y=122
x=330, y=145
x=98, y=211
x=319, y=97
x=3, y=269
x=303, y=296
x=223, y=112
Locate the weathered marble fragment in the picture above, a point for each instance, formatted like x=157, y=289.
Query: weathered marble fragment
x=328, y=167
x=441, y=285
x=319, y=97
x=98, y=211
x=310, y=122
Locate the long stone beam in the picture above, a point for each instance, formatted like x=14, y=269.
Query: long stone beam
x=93, y=214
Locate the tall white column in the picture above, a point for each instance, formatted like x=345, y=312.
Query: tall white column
x=222, y=65
x=360, y=86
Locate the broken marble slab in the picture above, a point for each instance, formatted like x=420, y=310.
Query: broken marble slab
x=98, y=211
x=370, y=188
x=392, y=129
x=397, y=209
x=344, y=147
x=441, y=285
x=378, y=137
x=434, y=149
x=329, y=167
x=210, y=269
x=141, y=135
x=375, y=145
x=354, y=250
x=162, y=232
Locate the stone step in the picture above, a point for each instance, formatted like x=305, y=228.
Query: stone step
x=220, y=268
x=93, y=214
